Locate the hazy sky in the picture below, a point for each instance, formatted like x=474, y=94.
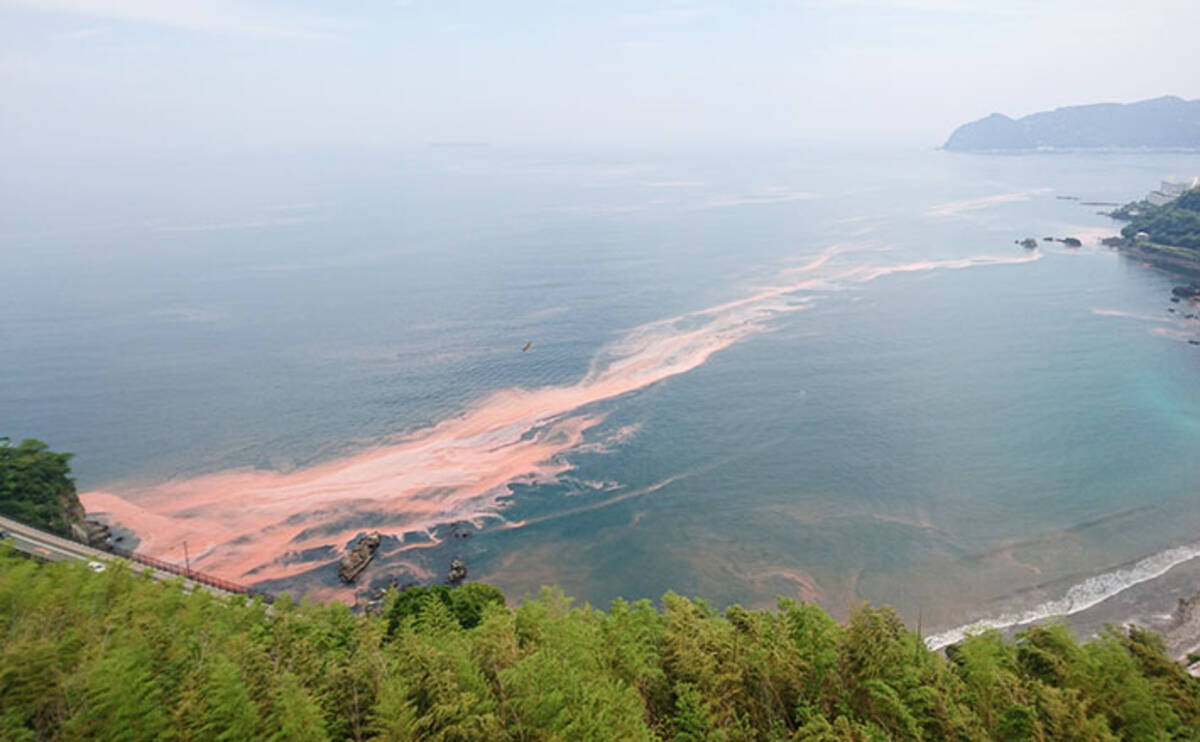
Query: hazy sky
x=110, y=76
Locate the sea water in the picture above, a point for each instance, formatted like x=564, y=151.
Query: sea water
x=831, y=376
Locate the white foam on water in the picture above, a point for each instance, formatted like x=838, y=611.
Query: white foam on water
x=1079, y=597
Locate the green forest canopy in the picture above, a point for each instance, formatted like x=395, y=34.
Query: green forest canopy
x=119, y=656
x=1175, y=223
x=36, y=486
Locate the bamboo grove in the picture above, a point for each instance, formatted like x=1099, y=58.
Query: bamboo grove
x=120, y=656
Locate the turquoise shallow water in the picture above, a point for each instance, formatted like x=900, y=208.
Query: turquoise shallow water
x=952, y=440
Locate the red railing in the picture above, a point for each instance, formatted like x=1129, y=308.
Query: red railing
x=175, y=569
x=191, y=574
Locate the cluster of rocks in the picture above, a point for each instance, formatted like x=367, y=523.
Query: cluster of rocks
x=1186, y=291
x=93, y=533
x=360, y=555
x=1191, y=293
x=1029, y=243
x=370, y=600
x=375, y=595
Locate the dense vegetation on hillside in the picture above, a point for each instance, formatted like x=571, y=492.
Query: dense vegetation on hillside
x=118, y=656
x=36, y=487
x=1175, y=223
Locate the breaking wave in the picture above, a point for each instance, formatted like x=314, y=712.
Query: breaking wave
x=1079, y=597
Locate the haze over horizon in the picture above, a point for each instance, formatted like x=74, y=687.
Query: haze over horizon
x=121, y=77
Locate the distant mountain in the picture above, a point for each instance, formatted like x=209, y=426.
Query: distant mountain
x=1160, y=123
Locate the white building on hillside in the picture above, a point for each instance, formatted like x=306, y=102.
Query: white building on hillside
x=1171, y=190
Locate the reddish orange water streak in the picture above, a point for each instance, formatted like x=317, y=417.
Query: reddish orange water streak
x=238, y=523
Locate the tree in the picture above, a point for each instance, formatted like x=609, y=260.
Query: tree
x=119, y=656
x=295, y=717
x=466, y=603
x=36, y=487
x=122, y=700
x=229, y=715
x=691, y=723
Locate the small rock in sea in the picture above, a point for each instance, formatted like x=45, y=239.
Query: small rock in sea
x=1047, y=239
x=357, y=558
x=1190, y=291
x=1028, y=243
x=1174, y=299
x=1171, y=310
x=458, y=571
x=1194, y=342
x=1071, y=242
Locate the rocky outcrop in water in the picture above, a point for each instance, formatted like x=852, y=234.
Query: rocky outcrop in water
x=357, y=559
x=93, y=533
x=458, y=571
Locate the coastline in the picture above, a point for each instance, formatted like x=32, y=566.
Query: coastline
x=1157, y=592
x=1159, y=258
x=988, y=218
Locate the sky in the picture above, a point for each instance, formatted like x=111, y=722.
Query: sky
x=106, y=77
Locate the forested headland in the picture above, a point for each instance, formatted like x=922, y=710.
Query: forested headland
x=36, y=487
x=120, y=656
x=1171, y=229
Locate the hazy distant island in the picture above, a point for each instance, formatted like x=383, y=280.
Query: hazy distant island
x=1168, y=122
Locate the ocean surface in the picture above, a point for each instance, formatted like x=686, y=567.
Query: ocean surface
x=831, y=376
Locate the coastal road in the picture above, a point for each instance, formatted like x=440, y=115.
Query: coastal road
x=55, y=549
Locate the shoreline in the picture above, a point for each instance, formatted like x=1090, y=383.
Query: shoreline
x=1159, y=259
x=1157, y=591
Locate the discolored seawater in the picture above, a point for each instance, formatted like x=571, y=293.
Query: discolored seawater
x=751, y=374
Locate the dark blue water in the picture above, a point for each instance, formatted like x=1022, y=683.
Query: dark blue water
x=935, y=439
